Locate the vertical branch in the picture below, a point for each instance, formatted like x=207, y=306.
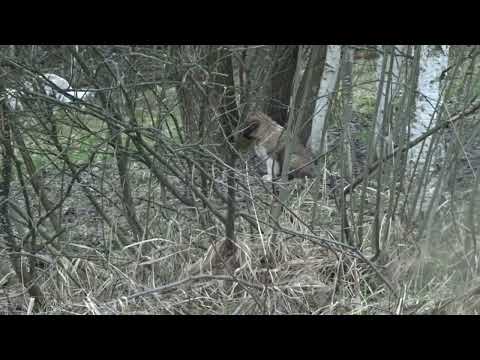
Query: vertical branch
x=229, y=121
x=384, y=99
x=346, y=167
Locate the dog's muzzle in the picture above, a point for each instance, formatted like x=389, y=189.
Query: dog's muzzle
x=248, y=131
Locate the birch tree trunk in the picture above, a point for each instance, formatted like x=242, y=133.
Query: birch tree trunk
x=73, y=64
x=433, y=61
x=327, y=85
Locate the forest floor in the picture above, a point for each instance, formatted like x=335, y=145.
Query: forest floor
x=299, y=270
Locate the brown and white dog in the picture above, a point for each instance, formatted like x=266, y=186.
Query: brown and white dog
x=270, y=147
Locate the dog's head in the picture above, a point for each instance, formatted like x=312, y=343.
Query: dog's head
x=252, y=124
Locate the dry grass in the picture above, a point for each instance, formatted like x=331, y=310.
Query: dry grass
x=172, y=273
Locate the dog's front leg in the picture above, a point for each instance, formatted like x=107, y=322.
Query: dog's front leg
x=263, y=155
x=269, y=163
x=276, y=168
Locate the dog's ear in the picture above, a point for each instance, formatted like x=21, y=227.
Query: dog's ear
x=250, y=128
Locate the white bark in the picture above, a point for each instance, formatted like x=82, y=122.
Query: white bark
x=432, y=63
x=73, y=63
x=327, y=85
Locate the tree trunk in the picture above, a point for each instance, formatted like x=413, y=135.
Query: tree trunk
x=347, y=118
x=307, y=92
x=282, y=82
x=397, y=58
x=325, y=91
x=433, y=61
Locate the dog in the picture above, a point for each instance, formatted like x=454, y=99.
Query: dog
x=270, y=147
